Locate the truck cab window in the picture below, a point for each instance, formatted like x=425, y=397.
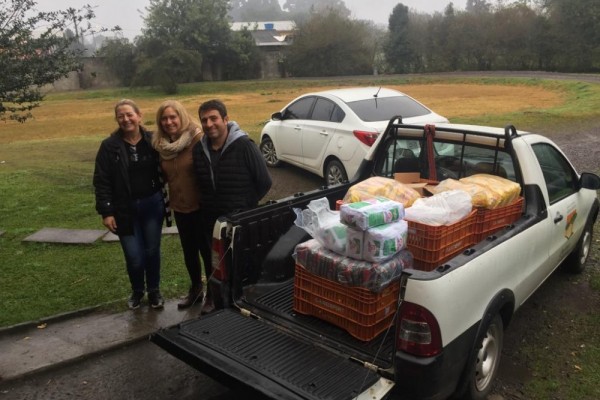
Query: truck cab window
x=561, y=179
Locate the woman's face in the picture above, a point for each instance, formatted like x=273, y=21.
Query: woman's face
x=128, y=119
x=170, y=122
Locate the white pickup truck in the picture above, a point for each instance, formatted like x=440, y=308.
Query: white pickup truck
x=447, y=334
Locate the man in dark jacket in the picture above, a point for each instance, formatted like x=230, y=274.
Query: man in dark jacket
x=231, y=171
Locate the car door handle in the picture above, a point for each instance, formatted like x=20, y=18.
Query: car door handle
x=324, y=133
x=297, y=127
x=558, y=218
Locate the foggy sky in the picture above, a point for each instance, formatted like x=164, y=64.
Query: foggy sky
x=128, y=13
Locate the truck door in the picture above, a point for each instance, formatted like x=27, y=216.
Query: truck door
x=562, y=188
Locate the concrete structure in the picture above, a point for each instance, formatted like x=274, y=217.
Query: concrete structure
x=271, y=39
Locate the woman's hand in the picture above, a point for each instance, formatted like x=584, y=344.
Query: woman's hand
x=110, y=223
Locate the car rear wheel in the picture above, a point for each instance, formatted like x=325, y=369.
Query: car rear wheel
x=335, y=173
x=267, y=148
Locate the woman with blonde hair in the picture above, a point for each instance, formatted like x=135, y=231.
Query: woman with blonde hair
x=177, y=133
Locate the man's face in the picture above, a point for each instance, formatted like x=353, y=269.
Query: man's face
x=213, y=125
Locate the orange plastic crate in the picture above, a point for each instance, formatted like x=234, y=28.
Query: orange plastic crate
x=434, y=245
x=362, y=313
x=490, y=221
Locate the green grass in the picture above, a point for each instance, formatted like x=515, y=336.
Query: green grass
x=45, y=181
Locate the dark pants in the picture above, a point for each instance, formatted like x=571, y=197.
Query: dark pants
x=142, y=249
x=192, y=240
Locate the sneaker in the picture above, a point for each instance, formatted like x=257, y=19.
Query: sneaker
x=155, y=299
x=192, y=298
x=135, y=300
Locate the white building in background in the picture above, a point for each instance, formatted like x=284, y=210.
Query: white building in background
x=270, y=37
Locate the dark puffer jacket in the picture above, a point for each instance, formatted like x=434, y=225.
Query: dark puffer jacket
x=239, y=180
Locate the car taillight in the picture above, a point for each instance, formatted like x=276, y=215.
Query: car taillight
x=218, y=260
x=418, y=331
x=367, y=138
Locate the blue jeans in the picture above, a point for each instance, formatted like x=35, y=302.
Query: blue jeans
x=142, y=249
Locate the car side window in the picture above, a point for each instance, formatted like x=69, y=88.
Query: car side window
x=560, y=178
x=323, y=110
x=300, y=109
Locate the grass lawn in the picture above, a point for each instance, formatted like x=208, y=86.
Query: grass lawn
x=46, y=169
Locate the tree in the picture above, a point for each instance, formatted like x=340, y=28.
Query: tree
x=255, y=10
x=300, y=10
x=398, y=51
x=35, y=52
x=119, y=55
x=329, y=45
x=199, y=28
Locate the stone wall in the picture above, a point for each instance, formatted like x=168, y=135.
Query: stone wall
x=95, y=75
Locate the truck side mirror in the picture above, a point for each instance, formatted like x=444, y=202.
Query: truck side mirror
x=589, y=181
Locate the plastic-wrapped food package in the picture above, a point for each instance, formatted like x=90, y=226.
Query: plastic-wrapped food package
x=323, y=224
x=355, y=243
x=383, y=242
x=369, y=213
x=506, y=190
x=443, y=208
x=374, y=276
x=480, y=197
x=333, y=237
x=383, y=187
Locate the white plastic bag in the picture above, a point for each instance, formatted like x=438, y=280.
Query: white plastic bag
x=323, y=224
x=443, y=208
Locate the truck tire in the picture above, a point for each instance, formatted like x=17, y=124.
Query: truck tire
x=575, y=262
x=267, y=149
x=485, y=363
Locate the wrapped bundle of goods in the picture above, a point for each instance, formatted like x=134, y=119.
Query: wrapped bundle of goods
x=487, y=191
x=323, y=224
x=379, y=186
x=371, y=212
x=374, y=276
x=333, y=282
x=385, y=241
x=496, y=199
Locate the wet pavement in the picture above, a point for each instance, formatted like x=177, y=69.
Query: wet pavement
x=35, y=347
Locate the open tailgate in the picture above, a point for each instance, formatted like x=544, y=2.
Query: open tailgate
x=241, y=351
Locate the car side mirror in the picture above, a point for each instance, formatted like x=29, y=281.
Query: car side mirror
x=589, y=181
x=277, y=116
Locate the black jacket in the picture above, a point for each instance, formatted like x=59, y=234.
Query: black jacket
x=111, y=180
x=238, y=181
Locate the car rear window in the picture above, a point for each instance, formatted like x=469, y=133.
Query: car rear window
x=382, y=109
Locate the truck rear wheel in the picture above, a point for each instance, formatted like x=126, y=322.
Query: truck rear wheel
x=486, y=361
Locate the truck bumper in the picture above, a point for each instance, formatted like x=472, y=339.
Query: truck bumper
x=434, y=377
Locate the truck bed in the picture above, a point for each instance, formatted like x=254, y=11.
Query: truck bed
x=276, y=302
x=251, y=353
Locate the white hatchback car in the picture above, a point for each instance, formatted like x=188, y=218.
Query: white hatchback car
x=329, y=133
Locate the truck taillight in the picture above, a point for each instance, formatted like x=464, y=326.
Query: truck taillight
x=418, y=331
x=367, y=138
x=218, y=260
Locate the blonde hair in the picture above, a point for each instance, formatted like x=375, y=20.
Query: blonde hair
x=187, y=124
